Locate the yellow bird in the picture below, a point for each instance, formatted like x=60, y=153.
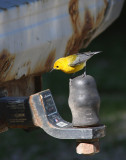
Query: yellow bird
x=73, y=63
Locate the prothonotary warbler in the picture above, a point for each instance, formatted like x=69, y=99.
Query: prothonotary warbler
x=73, y=63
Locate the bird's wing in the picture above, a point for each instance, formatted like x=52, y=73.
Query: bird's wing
x=82, y=57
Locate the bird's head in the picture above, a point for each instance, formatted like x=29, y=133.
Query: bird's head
x=58, y=65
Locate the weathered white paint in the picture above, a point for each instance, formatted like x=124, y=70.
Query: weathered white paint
x=32, y=31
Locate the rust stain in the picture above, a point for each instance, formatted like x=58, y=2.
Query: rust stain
x=22, y=87
x=23, y=70
x=6, y=62
x=22, y=83
x=50, y=60
x=82, y=33
x=78, y=37
x=74, y=14
x=36, y=119
x=106, y=2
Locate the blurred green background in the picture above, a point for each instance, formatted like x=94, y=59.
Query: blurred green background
x=109, y=71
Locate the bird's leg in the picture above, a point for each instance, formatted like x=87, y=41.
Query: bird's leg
x=73, y=75
x=85, y=69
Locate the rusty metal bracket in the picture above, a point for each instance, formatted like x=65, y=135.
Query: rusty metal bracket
x=39, y=110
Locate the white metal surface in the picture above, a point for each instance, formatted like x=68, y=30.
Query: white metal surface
x=33, y=35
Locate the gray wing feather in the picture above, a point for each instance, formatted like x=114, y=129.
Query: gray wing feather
x=82, y=57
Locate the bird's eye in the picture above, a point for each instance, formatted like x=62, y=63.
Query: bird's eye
x=57, y=66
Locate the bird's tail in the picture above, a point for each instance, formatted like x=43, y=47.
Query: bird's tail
x=91, y=53
x=96, y=52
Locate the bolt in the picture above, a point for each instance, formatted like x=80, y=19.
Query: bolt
x=88, y=147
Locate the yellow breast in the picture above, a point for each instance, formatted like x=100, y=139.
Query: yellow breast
x=66, y=65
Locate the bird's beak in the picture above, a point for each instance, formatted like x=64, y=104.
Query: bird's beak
x=52, y=69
